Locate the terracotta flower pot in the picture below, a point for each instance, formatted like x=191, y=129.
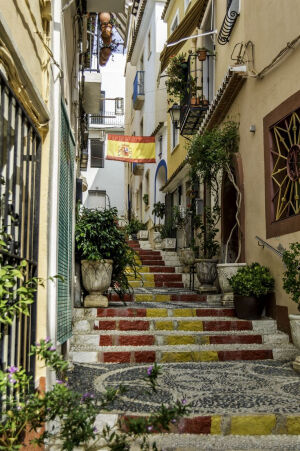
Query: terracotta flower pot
x=104, y=17
x=105, y=52
x=106, y=30
x=96, y=278
x=248, y=307
x=106, y=39
x=202, y=55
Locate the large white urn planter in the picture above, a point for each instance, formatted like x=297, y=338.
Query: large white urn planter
x=206, y=270
x=157, y=240
x=295, y=330
x=143, y=235
x=187, y=258
x=96, y=278
x=225, y=271
x=169, y=244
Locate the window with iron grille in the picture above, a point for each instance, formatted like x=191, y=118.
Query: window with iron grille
x=97, y=153
x=282, y=166
x=20, y=156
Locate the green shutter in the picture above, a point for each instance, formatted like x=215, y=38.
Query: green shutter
x=65, y=230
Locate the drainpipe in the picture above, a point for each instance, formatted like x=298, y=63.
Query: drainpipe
x=54, y=177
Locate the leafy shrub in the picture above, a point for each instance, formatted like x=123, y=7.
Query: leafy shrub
x=291, y=277
x=98, y=237
x=252, y=280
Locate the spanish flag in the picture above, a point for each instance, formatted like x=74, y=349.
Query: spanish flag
x=132, y=149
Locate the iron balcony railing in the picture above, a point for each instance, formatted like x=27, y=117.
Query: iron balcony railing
x=106, y=118
x=230, y=18
x=138, y=85
x=198, y=93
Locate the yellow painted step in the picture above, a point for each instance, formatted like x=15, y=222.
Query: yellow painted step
x=193, y=356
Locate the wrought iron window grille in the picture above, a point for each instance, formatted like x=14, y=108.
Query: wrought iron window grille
x=230, y=18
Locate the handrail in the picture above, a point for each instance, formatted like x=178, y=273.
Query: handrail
x=265, y=244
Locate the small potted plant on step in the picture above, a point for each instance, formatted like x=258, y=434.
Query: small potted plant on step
x=250, y=285
x=206, y=265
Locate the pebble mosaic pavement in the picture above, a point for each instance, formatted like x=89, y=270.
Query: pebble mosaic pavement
x=210, y=388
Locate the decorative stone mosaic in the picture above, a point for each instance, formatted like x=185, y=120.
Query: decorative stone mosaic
x=210, y=388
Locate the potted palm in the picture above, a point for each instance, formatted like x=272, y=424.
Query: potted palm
x=250, y=286
x=104, y=254
x=159, y=212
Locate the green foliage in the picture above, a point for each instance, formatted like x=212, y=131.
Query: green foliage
x=180, y=217
x=291, y=277
x=99, y=237
x=252, y=280
x=211, y=152
x=178, y=82
x=207, y=231
x=26, y=409
x=134, y=226
x=16, y=291
x=146, y=199
x=159, y=210
x=167, y=230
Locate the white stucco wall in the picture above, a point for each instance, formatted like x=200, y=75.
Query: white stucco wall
x=154, y=108
x=111, y=177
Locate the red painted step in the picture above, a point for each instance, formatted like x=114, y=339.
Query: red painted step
x=150, y=356
x=152, y=262
x=189, y=297
x=148, y=252
x=151, y=257
x=149, y=340
x=140, y=324
x=167, y=277
x=164, y=269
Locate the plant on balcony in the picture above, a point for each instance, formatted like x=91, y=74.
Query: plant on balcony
x=210, y=156
x=178, y=83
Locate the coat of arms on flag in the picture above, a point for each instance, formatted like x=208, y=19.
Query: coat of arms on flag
x=132, y=149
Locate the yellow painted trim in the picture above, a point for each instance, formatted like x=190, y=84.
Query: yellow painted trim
x=180, y=340
x=153, y=312
x=253, y=424
x=293, y=425
x=164, y=325
x=190, y=325
x=215, y=427
x=162, y=298
x=143, y=297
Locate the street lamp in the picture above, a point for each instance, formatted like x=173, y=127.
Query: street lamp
x=175, y=115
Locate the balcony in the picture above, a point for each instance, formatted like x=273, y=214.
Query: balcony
x=198, y=94
x=106, y=119
x=138, y=96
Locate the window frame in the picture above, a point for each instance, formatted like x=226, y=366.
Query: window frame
x=176, y=17
x=102, y=151
x=286, y=225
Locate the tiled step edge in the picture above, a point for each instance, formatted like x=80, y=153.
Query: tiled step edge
x=243, y=424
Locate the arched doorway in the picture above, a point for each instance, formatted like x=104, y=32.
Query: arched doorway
x=160, y=180
x=228, y=213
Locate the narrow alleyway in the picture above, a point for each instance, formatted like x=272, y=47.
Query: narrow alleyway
x=228, y=370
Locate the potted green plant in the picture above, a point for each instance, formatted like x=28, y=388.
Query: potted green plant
x=250, y=285
x=186, y=254
x=206, y=265
x=210, y=157
x=291, y=284
x=159, y=212
x=104, y=254
x=167, y=232
x=179, y=82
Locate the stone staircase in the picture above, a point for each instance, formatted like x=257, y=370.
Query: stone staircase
x=166, y=323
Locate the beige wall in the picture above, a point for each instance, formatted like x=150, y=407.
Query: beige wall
x=269, y=26
x=22, y=24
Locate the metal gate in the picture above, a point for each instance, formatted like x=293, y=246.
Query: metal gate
x=20, y=153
